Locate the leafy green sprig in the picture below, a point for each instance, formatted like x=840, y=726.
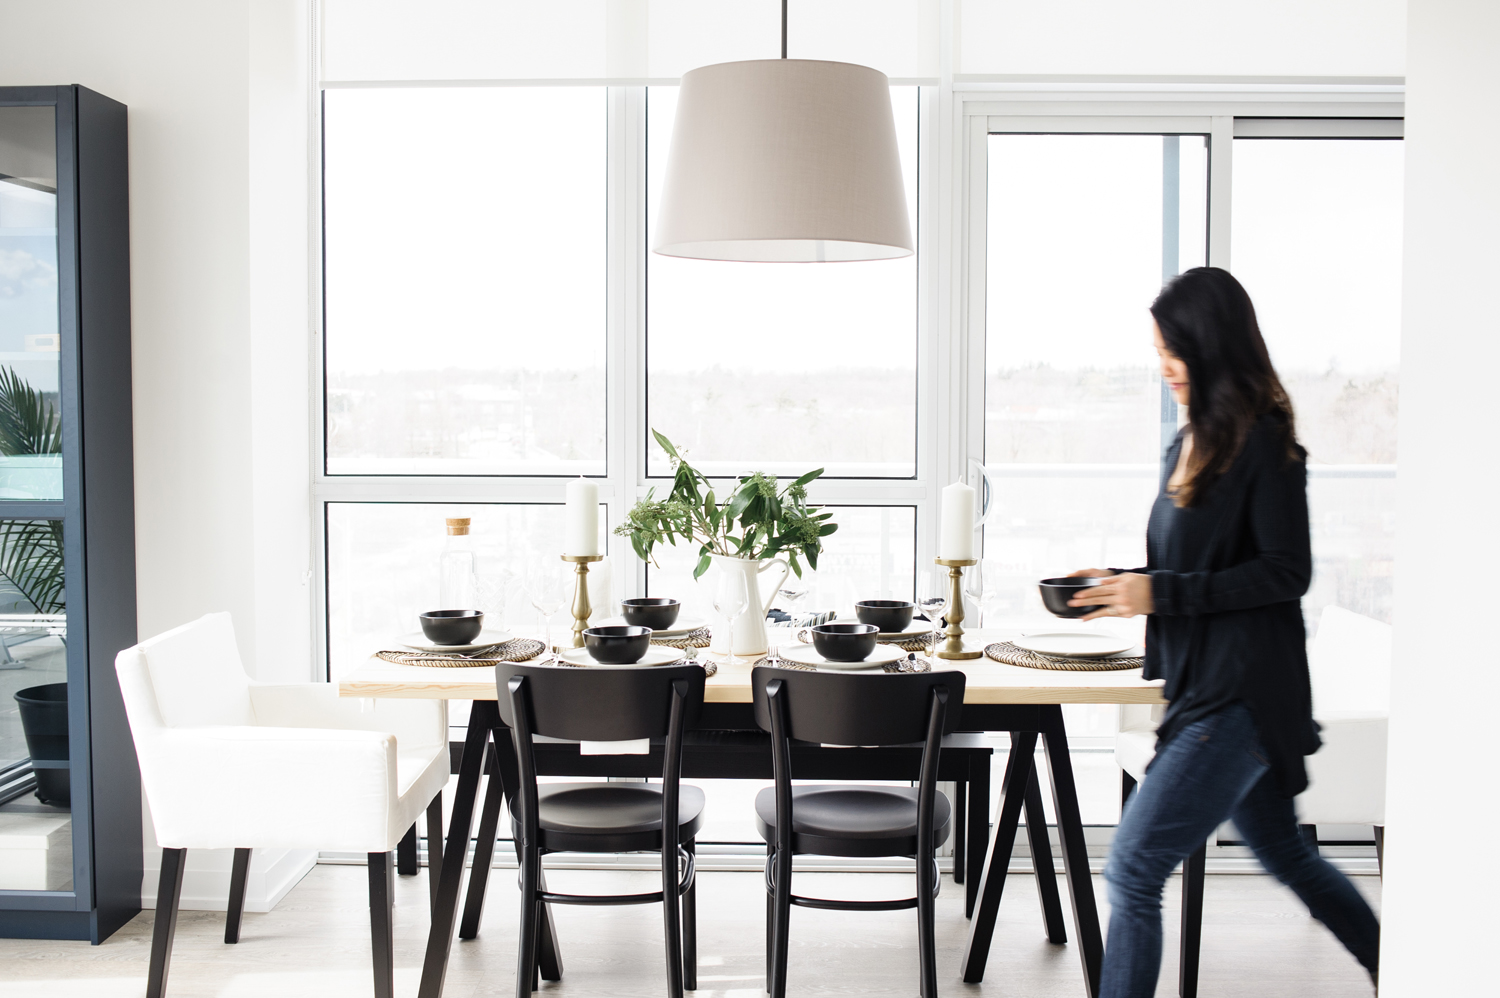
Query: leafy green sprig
x=759, y=519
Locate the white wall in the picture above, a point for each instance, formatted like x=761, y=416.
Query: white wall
x=1440, y=919
x=218, y=296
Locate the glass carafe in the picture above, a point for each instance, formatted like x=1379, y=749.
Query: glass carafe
x=456, y=568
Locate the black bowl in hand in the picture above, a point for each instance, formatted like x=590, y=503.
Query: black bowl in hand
x=845, y=642
x=890, y=615
x=653, y=612
x=1057, y=592
x=621, y=644
x=452, y=627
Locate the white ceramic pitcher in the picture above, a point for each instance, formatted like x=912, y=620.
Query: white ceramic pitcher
x=750, y=626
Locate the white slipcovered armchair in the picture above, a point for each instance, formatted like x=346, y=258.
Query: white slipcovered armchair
x=1350, y=666
x=229, y=763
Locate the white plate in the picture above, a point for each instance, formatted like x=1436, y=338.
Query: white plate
x=683, y=626
x=1074, y=644
x=655, y=655
x=489, y=636
x=808, y=655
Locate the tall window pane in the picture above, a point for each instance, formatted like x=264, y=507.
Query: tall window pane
x=465, y=280
x=1317, y=243
x=783, y=367
x=1082, y=231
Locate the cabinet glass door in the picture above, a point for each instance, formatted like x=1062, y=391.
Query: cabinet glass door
x=30, y=416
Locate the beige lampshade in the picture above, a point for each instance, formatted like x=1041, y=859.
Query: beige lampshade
x=784, y=160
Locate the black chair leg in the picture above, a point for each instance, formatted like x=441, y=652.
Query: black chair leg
x=1380, y=849
x=168, y=897
x=671, y=915
x=1310, y=836
x=238, y=874
x=406, y=853
x=434, y=848
x=770, y=925
x=926, y=927
x=548, y=959
x=960, y=827
x=1127, y=784
x=781, y=931
x=1192, y=922
x=690, y=928
x=1041, y=864
x=530, y=916
x=382, y=935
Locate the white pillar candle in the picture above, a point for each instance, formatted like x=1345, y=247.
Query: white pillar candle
x=581, y=530
x=956, y=541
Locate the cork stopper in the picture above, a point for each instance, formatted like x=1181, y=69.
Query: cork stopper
x=458, y=525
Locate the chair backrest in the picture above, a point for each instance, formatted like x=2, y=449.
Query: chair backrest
x=604, y=704
x=192, y=677
x=843, y=708
x=1350, y=663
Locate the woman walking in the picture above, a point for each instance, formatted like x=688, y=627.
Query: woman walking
x=1229, y=558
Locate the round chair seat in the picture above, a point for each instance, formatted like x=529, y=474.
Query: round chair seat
x=610, y=817
x=853, y=820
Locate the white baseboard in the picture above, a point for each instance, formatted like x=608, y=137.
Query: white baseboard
x=205, y=884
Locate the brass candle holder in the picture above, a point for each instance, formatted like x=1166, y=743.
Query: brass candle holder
x=953, y=646
x=581, y=608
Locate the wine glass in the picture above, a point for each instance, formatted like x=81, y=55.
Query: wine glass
x=932, y=594
x=730, y=599
x=544, y=586
x=794, y=590
x=982, y=586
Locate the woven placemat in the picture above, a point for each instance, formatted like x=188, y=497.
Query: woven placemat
x=514, y=650
x=1009, y=654
x=905, y=665
x=697, y=638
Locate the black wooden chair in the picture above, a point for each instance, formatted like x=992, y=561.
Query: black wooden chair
x=606, y=704
x=861, y=821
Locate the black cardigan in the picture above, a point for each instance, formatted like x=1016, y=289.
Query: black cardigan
x=1227, y=579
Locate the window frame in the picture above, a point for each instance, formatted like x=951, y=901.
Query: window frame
x=955, y=122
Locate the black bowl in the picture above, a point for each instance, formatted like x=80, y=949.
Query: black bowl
x=890, y=615
x=452, y=627
x=1057, y=592
x=622, y=644
x=654, y=612
x=845, y=642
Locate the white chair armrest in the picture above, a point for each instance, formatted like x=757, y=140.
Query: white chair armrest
x=264, y=787
x=417, y=724
x=1346, y=777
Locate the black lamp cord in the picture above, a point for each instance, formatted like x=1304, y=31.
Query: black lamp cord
x=783, y=29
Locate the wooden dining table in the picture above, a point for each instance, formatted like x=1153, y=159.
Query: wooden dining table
x=1026, y=703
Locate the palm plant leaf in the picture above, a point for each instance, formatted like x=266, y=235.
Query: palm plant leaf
x=28, y=422
x=31, y=562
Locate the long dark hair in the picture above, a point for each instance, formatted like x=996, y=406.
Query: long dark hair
x=1207, y=320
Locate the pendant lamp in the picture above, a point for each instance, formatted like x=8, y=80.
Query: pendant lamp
x=784, y=160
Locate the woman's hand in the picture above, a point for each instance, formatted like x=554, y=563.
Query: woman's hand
x=1124, y=595
x=1096, y=573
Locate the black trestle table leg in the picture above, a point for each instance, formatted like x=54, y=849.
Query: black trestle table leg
x=992, y=882
x=1192, y=922
x=484, y=852
x=1041, y=863
x=1074, y=849
x=978, y=838
x=960, y=829
x=484, y=718
x=434, y=847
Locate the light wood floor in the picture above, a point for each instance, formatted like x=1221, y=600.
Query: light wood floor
x=1258, y=941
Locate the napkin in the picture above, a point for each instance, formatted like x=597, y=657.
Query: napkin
x=632, y=746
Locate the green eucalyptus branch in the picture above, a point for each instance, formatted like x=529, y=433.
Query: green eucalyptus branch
x=759, y=520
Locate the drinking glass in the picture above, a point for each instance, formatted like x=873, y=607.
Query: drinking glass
x=546, y=590
x=932, y=594
x=730, y=600
x=794, y=590
x=982, y=586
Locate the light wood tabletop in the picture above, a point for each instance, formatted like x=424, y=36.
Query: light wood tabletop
x=987, y=681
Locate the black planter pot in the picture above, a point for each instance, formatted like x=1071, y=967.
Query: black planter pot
x=44, y=719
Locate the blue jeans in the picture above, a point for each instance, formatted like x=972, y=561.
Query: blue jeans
x=1212, y=770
